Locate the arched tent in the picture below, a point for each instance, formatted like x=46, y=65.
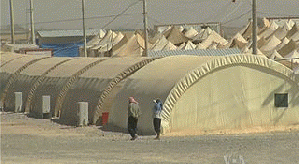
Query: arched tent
x=26, y=79
x=7, y=57
x=199, y=93
x=11, y=70
x=222, y=94
x=90, y=85
x=154, y=80
x=56, y=82
x=209, y=93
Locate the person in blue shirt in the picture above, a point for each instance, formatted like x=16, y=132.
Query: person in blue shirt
x=157, y=117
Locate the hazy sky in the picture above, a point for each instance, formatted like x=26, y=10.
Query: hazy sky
x=66, y=14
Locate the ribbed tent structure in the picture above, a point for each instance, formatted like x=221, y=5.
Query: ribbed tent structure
x=200, y=93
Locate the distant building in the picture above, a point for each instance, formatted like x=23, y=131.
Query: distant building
x=65, y=42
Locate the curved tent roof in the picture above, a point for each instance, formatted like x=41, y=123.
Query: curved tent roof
x=152, y=81
x=212, y=96
x=27, y=78
x=199, y=93
x=7, y=57
x=173, y=86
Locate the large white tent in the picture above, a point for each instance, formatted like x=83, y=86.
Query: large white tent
x=200, y=93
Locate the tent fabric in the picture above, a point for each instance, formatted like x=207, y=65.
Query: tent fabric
x=10, y=71
x=55, y=81
x=7, y=57
x=176, y=100
x=271, y=44
x=116, y=79
x=175, y=36
x=134, y=47
x=288, y=48
x=41, y=78
x=199, y=93
x=191, y=33
x=152, y=81
x=291, y=32
x=28, y=77
x=213, y=38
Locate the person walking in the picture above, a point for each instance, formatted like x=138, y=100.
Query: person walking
x=157, y=117
x=133, y=115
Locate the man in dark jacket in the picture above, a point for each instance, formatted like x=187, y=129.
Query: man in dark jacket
x=133, y=115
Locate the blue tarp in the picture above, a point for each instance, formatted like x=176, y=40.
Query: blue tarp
x=64, y=50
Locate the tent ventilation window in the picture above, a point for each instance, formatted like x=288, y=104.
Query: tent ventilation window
x=281, y=100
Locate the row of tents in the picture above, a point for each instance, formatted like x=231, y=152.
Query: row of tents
x=200, y=93
x=275, y=41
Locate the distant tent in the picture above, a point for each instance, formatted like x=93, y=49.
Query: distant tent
x=199, y=46
x=237, y=41
x=191, y=33
x=294, y=54
x=291, y=32
x=175, y=36
x=214, y=37
x=134, y=47
x=202, y=35
x=169, y=46
x=189, y=46
x=272, y=42
x=275, y=55
x=280, y=33
x=288, y=48
x=160, y=44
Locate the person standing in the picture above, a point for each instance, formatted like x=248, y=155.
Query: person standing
x=133, y=115
x=157, y=117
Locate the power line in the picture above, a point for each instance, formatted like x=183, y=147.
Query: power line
x=116, y=16
x=233, y=19
x=79, y=19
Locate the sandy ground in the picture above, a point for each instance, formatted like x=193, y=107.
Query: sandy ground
x=27, y=140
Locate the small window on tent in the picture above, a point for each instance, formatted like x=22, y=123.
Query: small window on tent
x=281, y=100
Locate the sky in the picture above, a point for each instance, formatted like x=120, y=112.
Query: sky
x=67, y=14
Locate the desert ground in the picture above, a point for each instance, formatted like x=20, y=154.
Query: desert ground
x=28, y=140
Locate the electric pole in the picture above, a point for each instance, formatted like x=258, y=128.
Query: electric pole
x=12, y=24
x=145, y=28
x=84, y=34
x=32, y=23
x=254, y=28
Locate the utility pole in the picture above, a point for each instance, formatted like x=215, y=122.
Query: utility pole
x=32, y=23
x=84, y=34
x=12, y=24
x=145, y=28
x=254, y=28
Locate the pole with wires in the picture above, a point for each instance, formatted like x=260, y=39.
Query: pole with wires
x=32, y=23
x=254, y=28
x=12, y=24
x=145, y=28
x=84, y=33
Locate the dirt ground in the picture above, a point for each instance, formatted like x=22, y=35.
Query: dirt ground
x=27, y=140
